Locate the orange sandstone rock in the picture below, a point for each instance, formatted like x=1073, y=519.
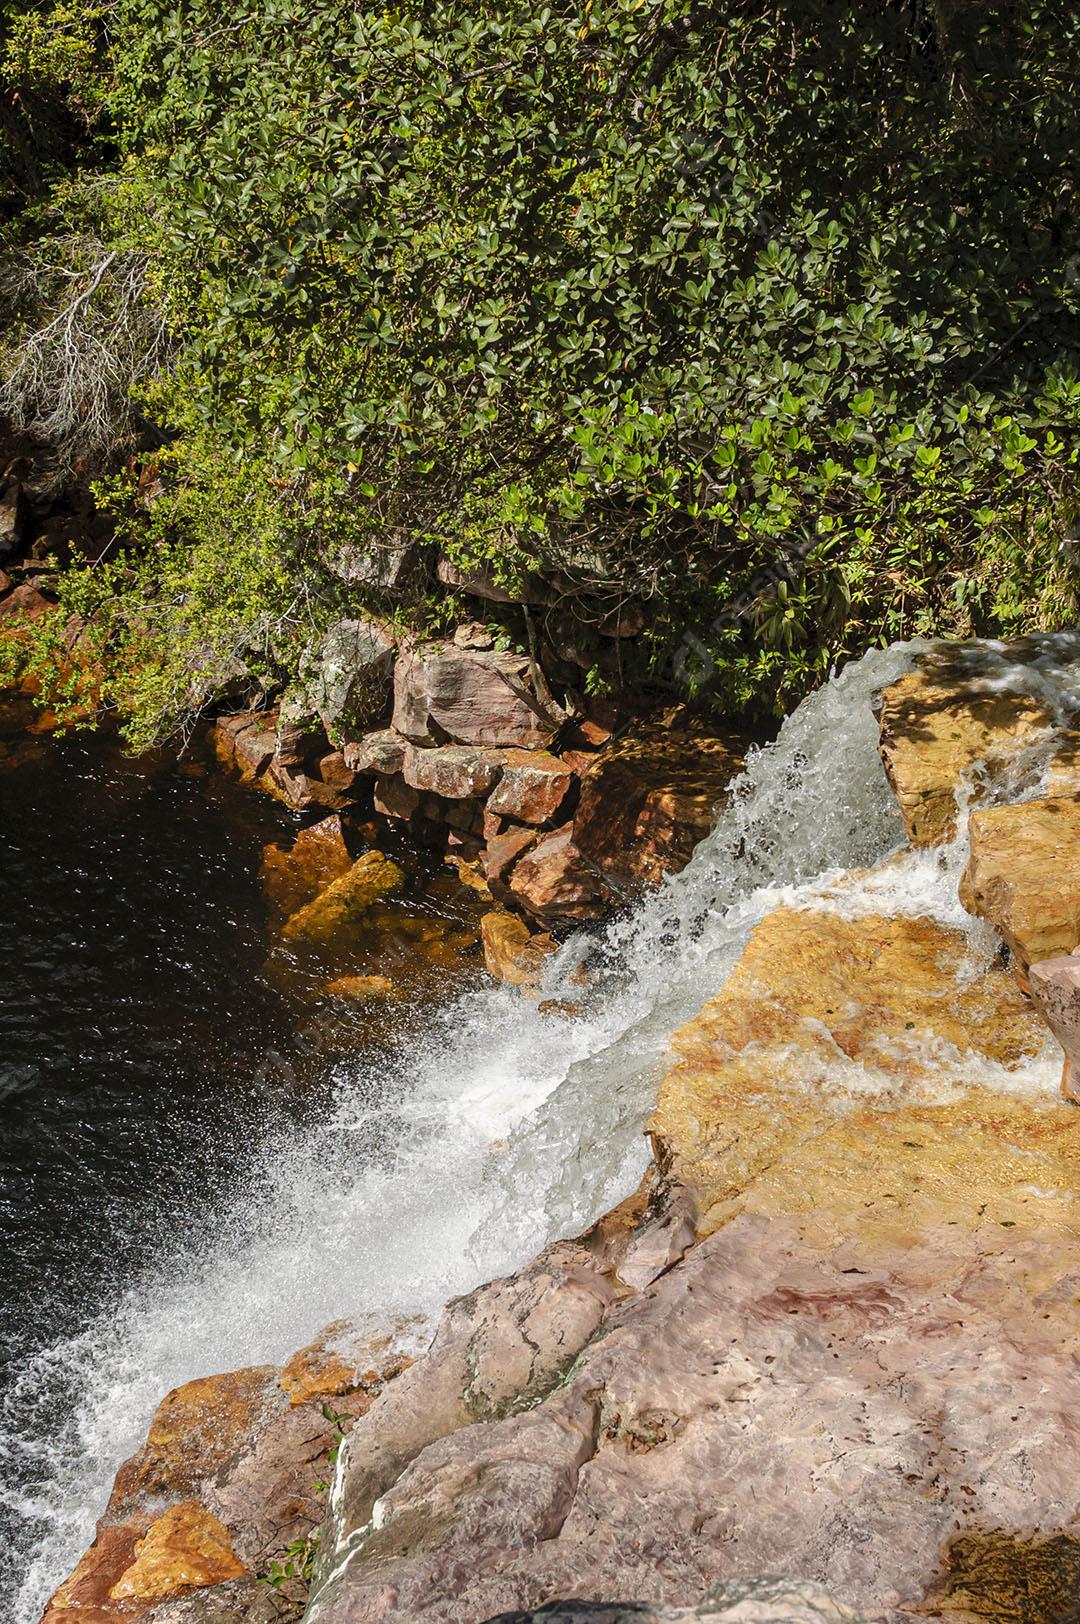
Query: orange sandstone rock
x=186, y=1548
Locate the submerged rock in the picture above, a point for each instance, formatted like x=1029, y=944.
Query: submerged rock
x=362, y=989
x=291, y=876
x=370, y=878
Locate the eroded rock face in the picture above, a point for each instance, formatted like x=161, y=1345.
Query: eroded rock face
x=532, y=787
x=867, y=1352
x=446, y=694
x=454, y=771
x=1023, y=876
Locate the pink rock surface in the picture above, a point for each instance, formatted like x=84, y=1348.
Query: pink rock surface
x=761, y=1407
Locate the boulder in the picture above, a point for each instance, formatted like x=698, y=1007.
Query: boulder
x=382, y=753
x=512, y=952
x=1055, y=988
x=1023, y=876
x=532, y=787
x=553, y=880
x=844, y=1346
x=456, y=772
x=950, y=720
x=350, y=683
x=464, y=696
x=370, y=879
x=649, y=798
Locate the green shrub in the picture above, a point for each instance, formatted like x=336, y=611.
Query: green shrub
x=766, y=316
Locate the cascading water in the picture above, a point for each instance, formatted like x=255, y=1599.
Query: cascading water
x=456, y=1157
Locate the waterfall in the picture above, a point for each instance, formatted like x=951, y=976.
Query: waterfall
x=456, y=1155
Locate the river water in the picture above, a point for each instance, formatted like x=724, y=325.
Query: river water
x=171, y=1211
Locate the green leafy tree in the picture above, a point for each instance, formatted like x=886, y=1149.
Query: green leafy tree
x=764, y=316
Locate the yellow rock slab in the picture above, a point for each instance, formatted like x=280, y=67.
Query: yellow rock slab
x=867, y=1074
x=512, y=952
x=185, y=1549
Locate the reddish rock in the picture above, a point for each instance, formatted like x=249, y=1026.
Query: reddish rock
x=339, y=1361
x=473, y=635
x=454, y=771
x=533, y=787
x=479, y=583
x=84, y=1597
x=247, y=741
x=198, y=1431
x=186, y=1548
x=554, y=881
x=501, y=853
x=26, y=601
x=382, y=753
x=443, y=693
x=649, y=799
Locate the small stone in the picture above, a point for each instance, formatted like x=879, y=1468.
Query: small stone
x=371, y=878
x=473, y=635
x=362, y=989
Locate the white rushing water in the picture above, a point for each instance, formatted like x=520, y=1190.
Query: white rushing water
x=457, y=1159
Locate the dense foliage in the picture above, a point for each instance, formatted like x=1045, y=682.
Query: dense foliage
x=767, y=317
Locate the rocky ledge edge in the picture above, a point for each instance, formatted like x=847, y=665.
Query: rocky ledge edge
x=834, y=1334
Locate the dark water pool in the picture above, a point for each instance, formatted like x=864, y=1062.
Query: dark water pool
x=153, y=1033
